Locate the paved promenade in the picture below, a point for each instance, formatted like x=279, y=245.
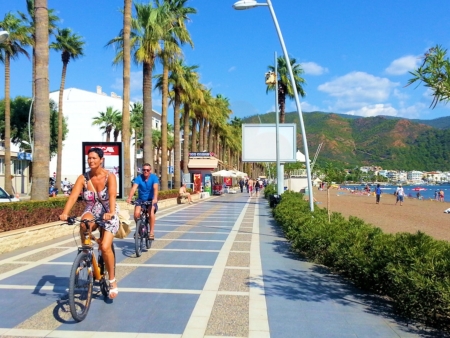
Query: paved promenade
x=218, y=268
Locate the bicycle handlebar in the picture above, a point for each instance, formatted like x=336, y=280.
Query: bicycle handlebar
x=73, y=220
x=140, y=203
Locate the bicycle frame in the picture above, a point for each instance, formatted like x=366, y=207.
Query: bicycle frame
x=87, y=245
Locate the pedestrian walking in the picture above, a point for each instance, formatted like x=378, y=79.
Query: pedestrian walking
x=378, y=193
x=400, y=195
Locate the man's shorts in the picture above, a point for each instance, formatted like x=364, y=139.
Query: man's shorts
x=154, y=204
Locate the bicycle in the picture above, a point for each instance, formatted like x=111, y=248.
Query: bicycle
x=142, y=228
x=86, y=269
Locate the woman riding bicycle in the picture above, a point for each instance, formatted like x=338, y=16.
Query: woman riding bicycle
x=99, y=191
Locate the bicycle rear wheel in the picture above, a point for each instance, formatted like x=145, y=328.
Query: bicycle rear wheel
x=80, y=286
x=139, y=238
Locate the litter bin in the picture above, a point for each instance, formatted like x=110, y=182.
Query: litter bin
x=274, y=200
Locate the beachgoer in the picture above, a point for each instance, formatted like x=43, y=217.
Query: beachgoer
x=183, y=193
x=241, y=184
x=257, y=187
x=400, y=195
x=250, y=186
x=441, y=195
x=378, y=193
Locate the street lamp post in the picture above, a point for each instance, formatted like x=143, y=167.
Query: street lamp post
x=247, y=4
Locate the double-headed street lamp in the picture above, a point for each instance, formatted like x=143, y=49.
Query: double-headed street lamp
x=3, y=36
x=247, y=4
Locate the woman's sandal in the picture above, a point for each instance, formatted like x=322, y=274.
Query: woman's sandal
x=151, y=237
x=113, y=291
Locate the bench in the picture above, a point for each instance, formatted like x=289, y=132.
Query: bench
x=182, y=199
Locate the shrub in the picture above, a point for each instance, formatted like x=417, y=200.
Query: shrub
x=412, y=269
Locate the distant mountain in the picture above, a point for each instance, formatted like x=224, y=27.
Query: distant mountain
x=389, y=142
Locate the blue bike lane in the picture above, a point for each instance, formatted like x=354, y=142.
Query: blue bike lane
x=217, y=268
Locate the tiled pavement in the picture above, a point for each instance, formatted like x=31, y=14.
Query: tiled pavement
x=217, y=268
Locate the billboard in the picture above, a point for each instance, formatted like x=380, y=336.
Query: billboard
x=259, y=142
x=112, y=160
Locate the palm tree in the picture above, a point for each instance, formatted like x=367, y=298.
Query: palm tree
x=11, y=49
x=71, y=47
x=176, y=35
x=126, y=136
x=284, y=84
x=136, y=118
x=41, y=153
x=107, y=121
x=180, y=80
x=30, y=21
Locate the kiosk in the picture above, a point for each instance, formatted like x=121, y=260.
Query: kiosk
x=200, y=166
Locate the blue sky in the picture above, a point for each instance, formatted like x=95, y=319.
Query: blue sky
x=356, y=54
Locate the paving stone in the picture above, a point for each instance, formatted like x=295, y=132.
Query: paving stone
x=238, y=259
x=235, y=280
x=8, y=267
x=42, y=254
x=229, y=317
x=241, y=246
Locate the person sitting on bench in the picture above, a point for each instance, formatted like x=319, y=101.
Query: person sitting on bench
x=184, y=193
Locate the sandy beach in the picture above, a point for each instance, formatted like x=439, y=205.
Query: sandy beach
x=427, y=216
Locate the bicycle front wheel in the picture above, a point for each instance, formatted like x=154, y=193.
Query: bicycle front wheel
x=80, y=286
x=139, y=238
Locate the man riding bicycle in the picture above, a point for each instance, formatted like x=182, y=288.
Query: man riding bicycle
x=147, y=186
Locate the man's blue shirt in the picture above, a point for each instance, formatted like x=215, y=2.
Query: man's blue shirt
x=145, y=188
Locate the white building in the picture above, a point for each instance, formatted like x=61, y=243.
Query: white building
x=80, y=107
x=415, y=176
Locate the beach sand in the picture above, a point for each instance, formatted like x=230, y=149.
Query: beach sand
x=427, y=216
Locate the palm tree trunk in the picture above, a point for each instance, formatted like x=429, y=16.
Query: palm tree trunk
x=165, y=103
x=210, y=138
x=194, y=135
x=147, y=104
x=186, y=139
x=201, y=131
x=41, y=152
x=126, y=131
x=205, y=135
x=60, y=127
x=8, y=178
x=176, y=139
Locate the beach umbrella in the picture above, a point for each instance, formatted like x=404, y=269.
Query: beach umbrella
x=222, y=173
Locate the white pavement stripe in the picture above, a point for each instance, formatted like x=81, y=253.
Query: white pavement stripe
x=191, y=232
x=141, y=265
x=258, y=318
x=198, y=322
x=183, y=240
x=122, y=289
x=37, y=263
x=81, y=334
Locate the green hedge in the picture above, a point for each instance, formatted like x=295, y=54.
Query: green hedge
x=412, y=269
x=23, y=214
x=19, y=215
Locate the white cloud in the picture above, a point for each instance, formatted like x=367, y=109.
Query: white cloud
x=232, y=69
x=417, y=111
x=306, y=107
x=403, y=65
x=313, y=68
x=374, y=110
x=356, y=90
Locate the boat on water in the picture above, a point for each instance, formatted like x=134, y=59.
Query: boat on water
x=419, y=189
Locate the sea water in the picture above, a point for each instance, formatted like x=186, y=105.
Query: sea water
x=428, y=193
